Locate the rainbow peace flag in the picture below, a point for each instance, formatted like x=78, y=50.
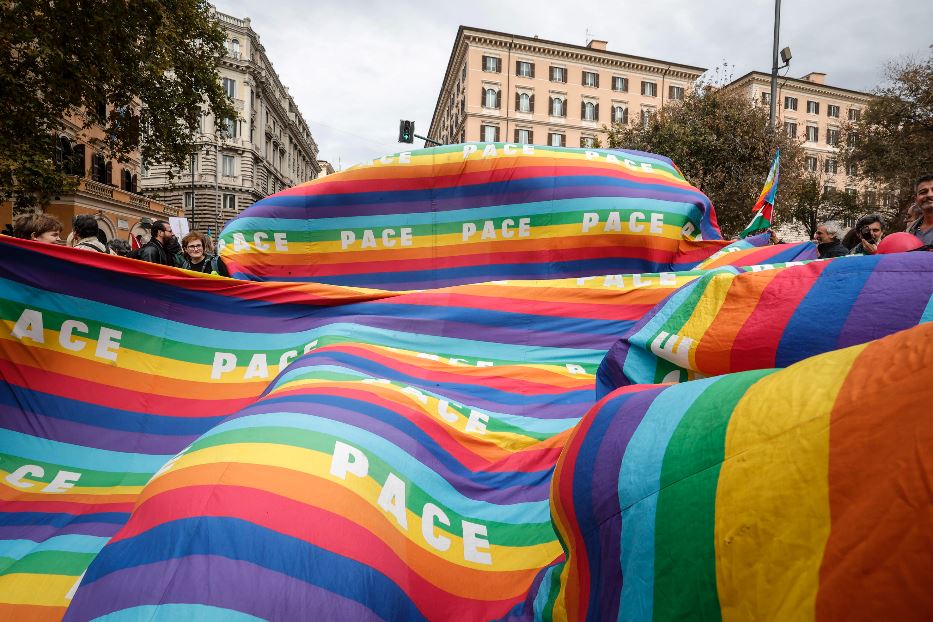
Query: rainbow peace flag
x=179, y=446
x=476, y=212
x=764, y=206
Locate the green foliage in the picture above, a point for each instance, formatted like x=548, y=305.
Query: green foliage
x=811, y=205
x=891, y=142
x=64, y=58
x=723, y=145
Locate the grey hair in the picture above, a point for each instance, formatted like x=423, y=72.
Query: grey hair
x=834, y=229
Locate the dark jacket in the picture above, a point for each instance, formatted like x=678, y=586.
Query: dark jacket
x=153, y=252
x=831, y=249
x=212, y=264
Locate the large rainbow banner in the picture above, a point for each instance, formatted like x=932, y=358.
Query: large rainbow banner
x=305, y=445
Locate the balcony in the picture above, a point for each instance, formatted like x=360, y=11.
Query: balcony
x=114, y=195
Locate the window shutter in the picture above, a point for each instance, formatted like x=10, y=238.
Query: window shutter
x=482, y=99
x=625, y=115
x=550, y=74
x=516, y=136
x=531, y=137
x=531, y=103
x=134, y=183
x=597, y=80
x=517, y=65
x=497, y=133
x=563, y=107
x=498, y=99
x=597, y=112
x=532, y=70
x=550, y=105
x=108, y=173
x=582, y=110
x=583, y=78
x=517, y=101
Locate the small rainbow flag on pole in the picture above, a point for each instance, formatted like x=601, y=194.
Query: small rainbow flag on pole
x=764, y=206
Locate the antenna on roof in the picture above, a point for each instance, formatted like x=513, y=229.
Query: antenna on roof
x=588, y=37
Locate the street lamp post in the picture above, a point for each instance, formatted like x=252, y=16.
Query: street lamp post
x=193, y=198
x=774, y=59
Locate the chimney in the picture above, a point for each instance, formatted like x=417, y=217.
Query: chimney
x=815, y=77
x=597, y=44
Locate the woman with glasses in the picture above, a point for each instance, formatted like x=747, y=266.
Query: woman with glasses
x=196, y=249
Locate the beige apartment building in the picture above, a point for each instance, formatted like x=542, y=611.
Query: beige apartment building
x=236, y=162
x=506, y=87
x=814, y=112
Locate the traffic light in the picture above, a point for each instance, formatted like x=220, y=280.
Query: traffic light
x=406, y=131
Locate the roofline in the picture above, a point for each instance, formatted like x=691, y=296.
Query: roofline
x=753, y=74
x=580, y=47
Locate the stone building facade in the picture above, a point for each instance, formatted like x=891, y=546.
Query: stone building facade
x=236, y=162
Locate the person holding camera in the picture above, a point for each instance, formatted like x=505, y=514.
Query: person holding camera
x=870, y=231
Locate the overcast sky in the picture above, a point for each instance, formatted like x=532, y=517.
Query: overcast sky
x=356, y=67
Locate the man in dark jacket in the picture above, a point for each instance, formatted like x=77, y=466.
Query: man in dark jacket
x=154, y=250
x=828, y=238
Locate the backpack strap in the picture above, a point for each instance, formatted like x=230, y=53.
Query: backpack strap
x=85, y=245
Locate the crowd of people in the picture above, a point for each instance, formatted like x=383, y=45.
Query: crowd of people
x=867, y=236
x=194, y=252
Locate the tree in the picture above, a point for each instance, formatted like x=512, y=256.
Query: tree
x=723, y=145
x=812, y=204
x=154, y=62
x=889, y=143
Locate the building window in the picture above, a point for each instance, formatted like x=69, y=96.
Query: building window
x=851, y=168
x=851, y=139
x=558, y=74
x=230, y=87
x=646, y=116
x=791, y=129
x=832, y=111
x=832, y=137
x=829, y=189
x=524, y=102
x=589, y=111
x=649, y=89
x=590, y=78
x=233, y=46
x=524, y=136
x=587, y=142
x=524, y=69
x=229, y=164
x=189, y=201
x=811, y=164
x=490, y=133
x=813, y=133
x=229, y=202
x=766, y=98
x=829, y=166
x=620, y=84
x=228, y=128
x=852, y=192
x=491, y=98
x=556, y=140
x=854, y=114
x=790, y=103
x=813, y=107
x=492, y=64
x=675, y=92
x=193, y=163
x=620, y=115
x=558, y=107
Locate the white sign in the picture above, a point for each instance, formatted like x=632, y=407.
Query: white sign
x=179, y=226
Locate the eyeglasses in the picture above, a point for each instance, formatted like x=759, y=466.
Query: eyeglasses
x=194, y=246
